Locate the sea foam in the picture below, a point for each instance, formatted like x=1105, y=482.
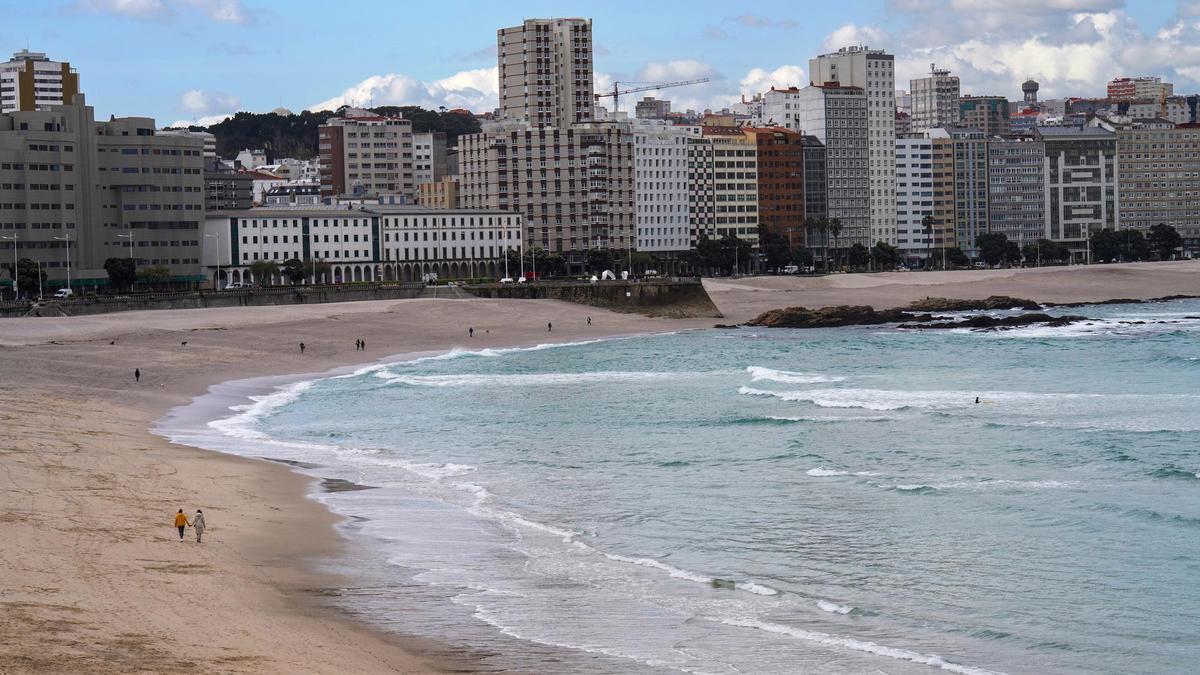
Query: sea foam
x=759, y=373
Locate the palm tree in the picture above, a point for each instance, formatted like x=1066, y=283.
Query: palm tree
x=927, y=226
x=835, y=228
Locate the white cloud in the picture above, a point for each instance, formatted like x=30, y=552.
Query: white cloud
x=476, y=90
x=224, y=11
x=851, y=34
x=759, y=80
x=1072, y=47
x=200, y=102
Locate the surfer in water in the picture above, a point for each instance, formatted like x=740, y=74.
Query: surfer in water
x=976, y=400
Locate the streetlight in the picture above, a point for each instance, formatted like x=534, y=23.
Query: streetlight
x=13, y=238
x=217, y=236
x=67, y=238
x=128, y=236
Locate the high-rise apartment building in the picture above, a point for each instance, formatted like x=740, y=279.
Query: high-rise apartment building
x=914, y=195
x=660, y=174
x=837, y=116
x=1016, y=193
x=1081, y=184
x=780, y=108
x=76, y=192
x=545, y=70
x=31, y=81
x=989, y=114
x=872, y=70
x=1158, y=170
x=816, y=179
x=732, y=189
x=574, y=185
x=780, y=180
x=970, y=186
x=934, y=100
x=226, y=189
x=650, y=108
x=368, y=155
x=429, y=157
x=210, y=141
x=1131, y=88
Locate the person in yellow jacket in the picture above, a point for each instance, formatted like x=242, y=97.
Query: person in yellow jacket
x=181, y=522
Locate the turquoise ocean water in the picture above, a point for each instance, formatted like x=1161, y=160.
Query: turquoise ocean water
x=754, y=500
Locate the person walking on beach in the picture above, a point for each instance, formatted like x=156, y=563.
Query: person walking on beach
x=363, y=344
x=181, y=522
x=549, y=327
x=589, y=320
x=302, y=348
x=471, y=331
x=137, y=375
x=198, y=524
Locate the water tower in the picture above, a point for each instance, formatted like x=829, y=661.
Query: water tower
x=1030, y=89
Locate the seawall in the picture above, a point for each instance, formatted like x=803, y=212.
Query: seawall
x=668, y=298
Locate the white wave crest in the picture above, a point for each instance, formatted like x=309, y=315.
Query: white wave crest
x=525, y=379
x=887, y=399
x=858, y=645
x=758, y=373
x=242, y=425
x=833, y=607
x=822, y=472
x=757, y=589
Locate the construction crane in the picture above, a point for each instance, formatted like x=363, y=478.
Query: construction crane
x=617, y=91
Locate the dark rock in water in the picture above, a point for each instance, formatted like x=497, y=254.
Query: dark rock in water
x=956, y=305
x=723, y=583
x=832, y=317
x=1001, y=323
x=726, y=325
x=339, y=485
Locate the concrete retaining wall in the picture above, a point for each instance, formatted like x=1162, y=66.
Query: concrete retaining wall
x=675, y=298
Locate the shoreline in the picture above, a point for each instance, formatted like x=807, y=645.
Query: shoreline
x=89, y=487
x=259, y=590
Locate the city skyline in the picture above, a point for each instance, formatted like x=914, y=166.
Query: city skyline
x=199, y=60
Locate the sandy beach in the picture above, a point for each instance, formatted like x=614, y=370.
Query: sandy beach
x=94, y=577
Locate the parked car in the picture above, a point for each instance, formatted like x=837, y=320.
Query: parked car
x=506, y=280
x=64, y=293
x=237, y=285
x=791, y=269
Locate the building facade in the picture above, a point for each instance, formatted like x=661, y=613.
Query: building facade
x=362, y=244
x=226, y=189
x=780, y=155
x=441, y=194
x=30, y=81
x=1081, y=193
x=430, y=161
x=989, y=114
x=1016, y=195
x=1158, y=171
x=1129, y=88
x=573, y=186
x=661, y=189
x=934, y=101
x=365, y=154
x=914, y=196
x=970, y=188
x=837, y=117
x=873, y=70
x=650, y=108
x=76, y=192
x=545, y=71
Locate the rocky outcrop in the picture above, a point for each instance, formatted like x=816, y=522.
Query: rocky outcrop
x=833, y=317
x=990, y=303
x=985, y=322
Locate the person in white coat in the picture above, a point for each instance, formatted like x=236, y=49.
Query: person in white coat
x=198, y=525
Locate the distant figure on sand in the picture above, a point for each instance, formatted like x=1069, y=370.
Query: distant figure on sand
x=198, y=524
x=549, y=327
x=471, y=331
x=363, y=344
x=181, y=522
x=137, y=375
x=589, y=320
x=301, y=347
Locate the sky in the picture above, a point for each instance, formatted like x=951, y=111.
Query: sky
x=199, y=60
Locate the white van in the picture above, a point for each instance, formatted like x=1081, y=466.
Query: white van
x=64, y=293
